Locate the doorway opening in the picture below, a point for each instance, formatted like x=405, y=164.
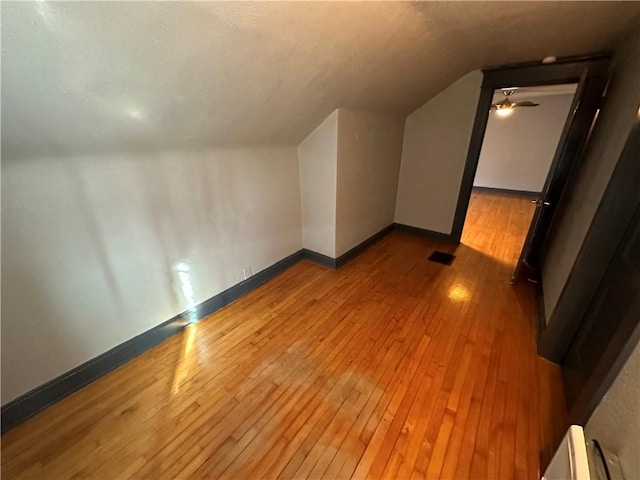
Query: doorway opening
x=591, y=75
x=523, y=131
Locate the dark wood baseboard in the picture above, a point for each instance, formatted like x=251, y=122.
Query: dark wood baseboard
x=36, y=400
x=335, y=263
x=361, y=247
x=506, y=191
x=423, y=232
x=319, y=258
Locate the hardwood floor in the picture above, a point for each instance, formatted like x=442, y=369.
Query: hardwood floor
x=392, y=367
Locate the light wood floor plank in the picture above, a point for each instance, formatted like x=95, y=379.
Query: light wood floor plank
x=391, y=367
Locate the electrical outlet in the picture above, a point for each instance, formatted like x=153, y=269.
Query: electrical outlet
x=246, y=272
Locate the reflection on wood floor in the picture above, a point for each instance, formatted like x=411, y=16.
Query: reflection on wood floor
x=392, y=367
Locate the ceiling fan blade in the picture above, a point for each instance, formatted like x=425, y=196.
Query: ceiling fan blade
x=526, y=104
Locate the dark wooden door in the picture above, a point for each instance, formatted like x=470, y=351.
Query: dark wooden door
x=591, y=74
x=577, y=129
x=611, y=319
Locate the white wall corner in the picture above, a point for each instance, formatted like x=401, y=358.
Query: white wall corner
x=317, y=157
x=434, y=151
x=369, y=150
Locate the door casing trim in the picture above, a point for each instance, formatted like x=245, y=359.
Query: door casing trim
x=566, y=70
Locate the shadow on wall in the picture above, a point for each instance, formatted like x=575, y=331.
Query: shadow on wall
x=117, y=244
x=42, y=333
x=91, y=247
x=87, y=217
x=30, y=317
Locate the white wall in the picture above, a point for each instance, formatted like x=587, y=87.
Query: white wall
x=91, y=246
x=616, y=420
x=369, y=150
x=318, y=177
x=616, y=118
x=517, y=150
x=434, y=151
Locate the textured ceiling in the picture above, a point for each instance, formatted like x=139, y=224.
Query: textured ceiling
x=83, y=77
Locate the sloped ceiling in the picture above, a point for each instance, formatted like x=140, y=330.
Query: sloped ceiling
x=84, y=77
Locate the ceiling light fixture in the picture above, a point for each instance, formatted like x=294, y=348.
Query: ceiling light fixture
x=506, y=106
x=504, y=111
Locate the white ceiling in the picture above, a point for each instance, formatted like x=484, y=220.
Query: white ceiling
x=83, y=77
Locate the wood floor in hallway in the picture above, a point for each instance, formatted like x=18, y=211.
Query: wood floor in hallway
x=391, y=367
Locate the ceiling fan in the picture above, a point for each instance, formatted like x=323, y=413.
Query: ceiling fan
x=506, y=106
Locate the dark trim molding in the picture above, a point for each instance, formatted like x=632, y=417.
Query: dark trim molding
x=471, y=163
x=36, y=400
x=566, y=70
x=566, y=62
x=335, y=263
x=506, y=191
x=430, y=234
x=45, y=395
x=319, y=258
x=611, y=219
x=540, y=315
x=613, y=360
x=361, y=247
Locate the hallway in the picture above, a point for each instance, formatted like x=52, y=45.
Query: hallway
x=391, y=367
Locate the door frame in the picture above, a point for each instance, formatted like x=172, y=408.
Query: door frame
x=612, y=218
x=593, y=69
x=619, y=201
